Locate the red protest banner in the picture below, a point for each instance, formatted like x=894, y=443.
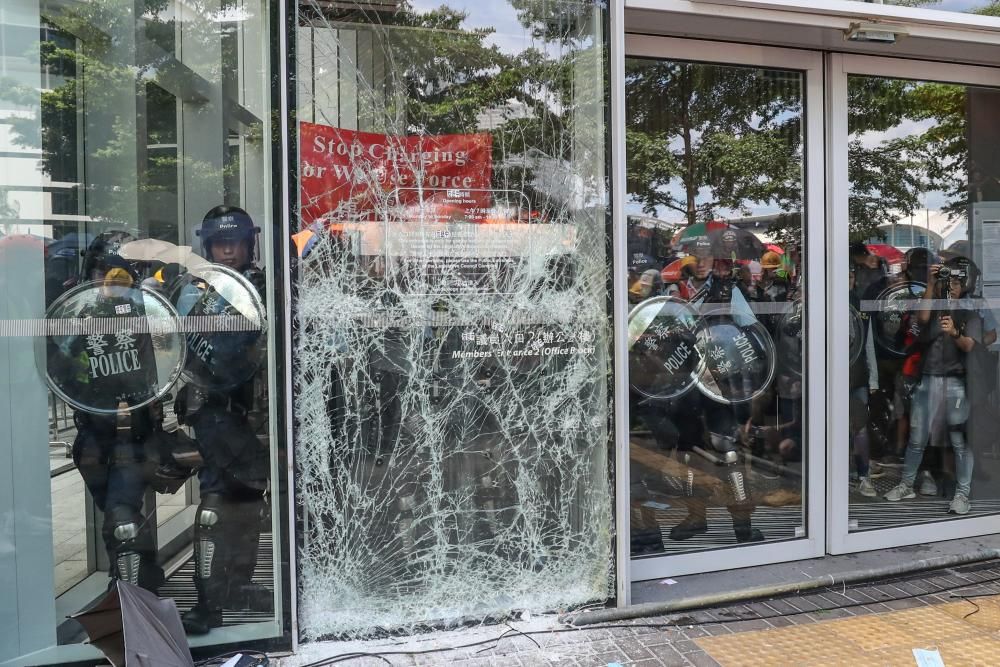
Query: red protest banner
x=355, y=176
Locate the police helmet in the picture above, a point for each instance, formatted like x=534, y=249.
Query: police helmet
x=227, y=222
x=104, y=254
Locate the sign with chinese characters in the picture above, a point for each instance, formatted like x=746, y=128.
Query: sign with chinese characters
x=110, y=348
x=445, y=244
x=348, y=175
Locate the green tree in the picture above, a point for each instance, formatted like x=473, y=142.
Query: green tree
x=701, y=138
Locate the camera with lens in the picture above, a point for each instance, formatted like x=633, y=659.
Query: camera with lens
x=948, y=273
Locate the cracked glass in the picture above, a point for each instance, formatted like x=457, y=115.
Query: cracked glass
x=451, y=344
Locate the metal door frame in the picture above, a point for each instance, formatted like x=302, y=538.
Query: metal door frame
x=839, y=66
x=813, y=544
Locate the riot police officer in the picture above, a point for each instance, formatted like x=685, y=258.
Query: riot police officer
x=222, y=402
x=110, y=379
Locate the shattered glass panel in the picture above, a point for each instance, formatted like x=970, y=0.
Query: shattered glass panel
x=452, y=331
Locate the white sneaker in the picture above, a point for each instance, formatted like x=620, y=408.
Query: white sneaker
x=959, y=505
x=900, y=492
x=866, y=488
x=928, y=487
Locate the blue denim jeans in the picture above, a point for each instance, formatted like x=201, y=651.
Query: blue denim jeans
x=939, y=402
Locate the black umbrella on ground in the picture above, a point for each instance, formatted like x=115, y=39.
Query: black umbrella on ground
x=134, y=628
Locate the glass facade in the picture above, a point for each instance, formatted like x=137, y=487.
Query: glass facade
x=715, y=159
x=452, y=328
x=137, y=324
x=372, y=357
x=923, y=365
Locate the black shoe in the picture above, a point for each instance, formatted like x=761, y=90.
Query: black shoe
x=252, y=597
x=151, y=576
x=200, y=620
x=748, y=535
x=688, y=528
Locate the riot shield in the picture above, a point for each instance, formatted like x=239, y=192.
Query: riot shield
x=225, y=326
x=663, y=358
x=738, y=356
x=110, y=347
x=892, y=317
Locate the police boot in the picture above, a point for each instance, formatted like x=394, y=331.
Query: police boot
x=243, y=592
x=741, y=524
x=210, y=563
x=695, y=522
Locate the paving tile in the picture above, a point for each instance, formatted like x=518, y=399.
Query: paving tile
x=909, y=603
x=745, y=626
x=809, y=603
x=794, y=645
x=829, y=614
x=701, y=660
x=668, y=655
x=694, y=632
x=685, y=646
x=871, y=633
x=634, y=649
x=783, y=606
x=602, y=659
x=665, y=637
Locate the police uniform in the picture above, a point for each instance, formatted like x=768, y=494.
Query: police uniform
x=222, y=403
x=111, y=450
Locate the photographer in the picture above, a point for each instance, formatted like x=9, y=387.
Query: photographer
x=946, y=336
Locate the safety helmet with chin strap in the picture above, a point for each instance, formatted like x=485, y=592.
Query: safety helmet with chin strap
x=104, y=254
x=227, y=222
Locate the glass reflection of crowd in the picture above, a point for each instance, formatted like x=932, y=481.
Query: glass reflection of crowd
x=929, y=371
x=737, y=450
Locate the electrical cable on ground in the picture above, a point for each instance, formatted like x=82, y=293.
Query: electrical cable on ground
x=658, y=626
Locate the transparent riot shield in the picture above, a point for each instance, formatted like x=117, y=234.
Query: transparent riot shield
x=891, y=319
x=738, y=355
x=663, y=357
x=111, y=347
x=223, y=318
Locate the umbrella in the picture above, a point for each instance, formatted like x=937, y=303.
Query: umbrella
x=890, y=254
x=725, y=241
x=155, y=250
x=734, y=243
x=133, y=627
x=699, y=233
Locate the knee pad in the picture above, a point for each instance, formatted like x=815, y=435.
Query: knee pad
x=211, y=511
x=122, y=526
